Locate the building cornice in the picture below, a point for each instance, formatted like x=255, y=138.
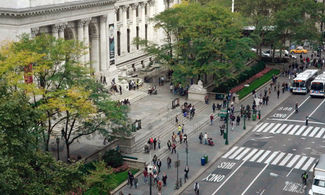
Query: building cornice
x=50, y=9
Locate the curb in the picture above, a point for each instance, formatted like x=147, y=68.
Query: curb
x=124, y=183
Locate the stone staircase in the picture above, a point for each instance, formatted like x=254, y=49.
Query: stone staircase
x=132, y=95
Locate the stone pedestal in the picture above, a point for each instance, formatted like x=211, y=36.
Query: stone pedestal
x=197, y=92
x=127, y=144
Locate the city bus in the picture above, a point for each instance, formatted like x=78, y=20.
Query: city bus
x=317, y=86
x=303, y=80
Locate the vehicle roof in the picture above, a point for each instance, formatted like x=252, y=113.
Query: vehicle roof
x=306, y=74
x=320, y=77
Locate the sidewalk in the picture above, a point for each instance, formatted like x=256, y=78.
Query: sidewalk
x=196, y=150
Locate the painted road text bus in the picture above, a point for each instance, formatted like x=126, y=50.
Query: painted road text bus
x=303, y=80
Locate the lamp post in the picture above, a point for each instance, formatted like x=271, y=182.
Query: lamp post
x=186, y=153
x=244, y=121
x=57, y=147
x=227, y=118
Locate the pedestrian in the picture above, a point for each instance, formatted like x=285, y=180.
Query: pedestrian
x=222, y=129
x=180, y=137
x=169, y=144
x=120, y=90
x=164, y=179
x=179, y=129
x=158, y=165
x=278, y=93
x=129, y=177
x=186, y=170
x=266, y=100
x=169, y=162
x=201, y=137
x=136, y=182
x=211, y=118
x=176, y=119
x=304, y=177
x=131, y=180
x=296, y=106
x=185, y=138
x=145, y=175
x=206, y=99
x=238, y=120
x=196, y=188
x=151, y=142
x=154, y=143
x=213, y=107
x=159, y=186
x=154, y=159
x=173, y=148
x=158, y=141
x=205, y=138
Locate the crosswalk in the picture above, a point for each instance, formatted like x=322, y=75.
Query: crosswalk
x=290, y=129
x=277, y=158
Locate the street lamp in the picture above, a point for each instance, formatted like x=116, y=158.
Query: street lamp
x=227, y=116
x=57, y=147
x=244, y=120
x=186, y=150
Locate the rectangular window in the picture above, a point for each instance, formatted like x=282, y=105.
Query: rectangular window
x=137, y=11
x=146, y=32
x=118, y=15
x=137, y=36
x=128, y=40
x=145, y=9
x=118, y=43
x=127, y=13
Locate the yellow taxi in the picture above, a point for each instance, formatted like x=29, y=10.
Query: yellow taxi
x=299, y=50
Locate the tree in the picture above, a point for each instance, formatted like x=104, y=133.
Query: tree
x=24, y=169
x=200, y=40
x=63, y=90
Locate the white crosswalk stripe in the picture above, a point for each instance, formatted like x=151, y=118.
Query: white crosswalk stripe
x=320, y=133
x=278, y=158
x=263, y=156
x=287, y=129
x=271, y=157
x=307, y=131
x=268, y=127
x=257, y=126
x=301, y=130
x=293, y=161
x=300, y=162
x=262, y=127
x=236, y=153
x=256, y=155
x=308, y=163
x=312, y=134
x=285, y=160
x=250, y=154
x=294, y=130
x=275, y=128
x=230, y=152
x=242, y=154
x=281, y=128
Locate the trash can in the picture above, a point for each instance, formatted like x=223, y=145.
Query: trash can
x=205, y=159
x=254, y=117
x=202, y=161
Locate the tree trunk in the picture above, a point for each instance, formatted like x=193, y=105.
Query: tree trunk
x=67, y=144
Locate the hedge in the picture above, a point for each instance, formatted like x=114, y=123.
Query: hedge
x=225, y=86
x=257, y=83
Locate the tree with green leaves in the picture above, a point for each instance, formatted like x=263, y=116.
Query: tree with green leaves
x=200, y=40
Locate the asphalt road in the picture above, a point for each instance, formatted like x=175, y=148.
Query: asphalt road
x=271, y=158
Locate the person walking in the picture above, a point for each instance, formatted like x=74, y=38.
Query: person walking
x=185, y=138
x=186, y=170
x=180, y=137
x=179, y=129
x=131, y=180
x=205, y=138
x=222, y=129
x=158, y=141
x=176, y=119
x=154, y=159
x=196, y=188
x=201, y=137
x=164, y=179
x=296, y=106
x=238, y=120
x=304, y=177
x=278, y=93
x=169, y=145
x=158, y=165
x=169, y=162
x=211, y=118
x=173, y=148
x=154, y=143
x=145, y=175
x=214, y=107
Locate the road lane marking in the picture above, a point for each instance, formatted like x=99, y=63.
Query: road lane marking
x=228, y=178
x=320, y=133
x=289, y=165
x=256, y=155
x=316, y=108
x=290, y=172
x=281, y=128
x=264, y=155
x=308, y=163
x=262, y=127
x=294, y=130
x=298, y=107
x=300, y=162
x=268, y=127
x=275, y=128
x=236, y=153
x=271, y=157
x=301, y=130
x=285, y=160
x=287, y=129
x=314, y=132
x=242, y=154
x=257, y=126
x=278, y=158
x=255, y=179
x=297, y=121
x=250, y=154
x=230, y=151
x=307, y=131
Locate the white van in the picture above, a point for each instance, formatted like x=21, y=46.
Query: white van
x=318, y=186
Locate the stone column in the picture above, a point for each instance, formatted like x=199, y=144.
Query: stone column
x=80, y=32
x=35, y=31
x=103, y=43
x=133, y=26
x=142, y=22
x=61, y=30
x=123, y=31
x=95, y=46
x=86, y=39
x=55, y=31
x=151, y=31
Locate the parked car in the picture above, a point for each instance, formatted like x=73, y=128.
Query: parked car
x=298, y=50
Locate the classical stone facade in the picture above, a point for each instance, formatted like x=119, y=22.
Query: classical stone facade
x=107, y=27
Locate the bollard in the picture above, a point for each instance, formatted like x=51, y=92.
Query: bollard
x=306, y=120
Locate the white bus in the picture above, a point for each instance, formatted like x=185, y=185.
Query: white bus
x=317, y=86
x=302, y=82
